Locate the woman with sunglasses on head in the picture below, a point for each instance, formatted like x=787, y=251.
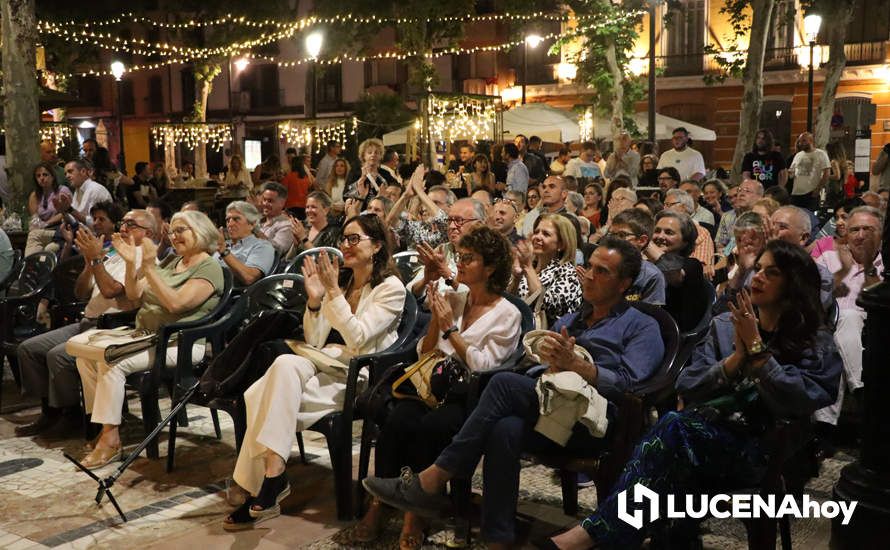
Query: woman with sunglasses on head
x=474, y=326
x=350, y=311
x=774, y=353
x=544, y=270
x=185, y=287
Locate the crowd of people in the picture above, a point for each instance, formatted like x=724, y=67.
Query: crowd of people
x=578, y=239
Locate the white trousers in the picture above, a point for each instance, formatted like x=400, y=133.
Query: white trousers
x=848, y=338
x=104, y=384
x=273, y=403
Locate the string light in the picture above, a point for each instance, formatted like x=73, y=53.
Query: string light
x=462, y=117
x=229, y=19
x=58, y=133
x=183, y=58
x=192, y=134
x=303, y=133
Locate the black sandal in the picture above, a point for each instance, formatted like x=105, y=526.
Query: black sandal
x=272, y=492
x=240, y=519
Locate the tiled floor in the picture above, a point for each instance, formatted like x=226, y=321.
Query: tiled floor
x=46, y=503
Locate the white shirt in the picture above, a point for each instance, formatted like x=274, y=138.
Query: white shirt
x=687, y=162
x=89, y=193
x=578, y=168
x=324, y=168
x=116, y=267
x=807, y=168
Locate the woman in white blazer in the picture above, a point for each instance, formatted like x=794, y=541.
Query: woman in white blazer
x=349, y=312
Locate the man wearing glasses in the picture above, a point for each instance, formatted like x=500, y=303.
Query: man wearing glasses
x=47, y=370
x=636, y=226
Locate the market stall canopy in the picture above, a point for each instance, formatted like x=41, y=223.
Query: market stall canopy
x=539, y=119
x=664, y=126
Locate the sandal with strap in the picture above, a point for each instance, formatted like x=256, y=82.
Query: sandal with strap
x=412, y=541
x=240, y=519
x=365, y=532
x=272, y=492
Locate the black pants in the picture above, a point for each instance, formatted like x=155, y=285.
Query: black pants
x=414, y=435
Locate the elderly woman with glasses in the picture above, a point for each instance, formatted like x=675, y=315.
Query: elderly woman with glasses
x=350, y=311
x=474, y=326
x=544, y=273
x=250, y=258
x=185, y=287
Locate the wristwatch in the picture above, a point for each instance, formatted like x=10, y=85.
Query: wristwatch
x=96, y=261
x=225, y=253
x=756, y=348
x=447, y=332
x=871, y=271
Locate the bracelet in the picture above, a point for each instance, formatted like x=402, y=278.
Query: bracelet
x=96, y=262
x=225, y=253
x=449, y=331
x=313, y=309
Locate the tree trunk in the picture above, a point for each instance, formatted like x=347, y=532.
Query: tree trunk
x=841, y=16
x=20, y=91
x=616, y=121
x=752, y=81
x=204, y=75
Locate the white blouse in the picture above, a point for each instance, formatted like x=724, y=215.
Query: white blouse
x=490, y=339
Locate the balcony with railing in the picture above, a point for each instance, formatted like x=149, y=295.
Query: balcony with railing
x=776, y=59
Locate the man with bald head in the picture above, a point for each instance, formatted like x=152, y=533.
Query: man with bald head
x=440, y=263
x=810, y=169
x=792, y=225
x=749, y=192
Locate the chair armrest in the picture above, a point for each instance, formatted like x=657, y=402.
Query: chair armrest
x=119, y=319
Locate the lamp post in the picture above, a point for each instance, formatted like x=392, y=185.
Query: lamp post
x=534, y=41
x=651, y=109
x=811, y=24
x=118, y=70
x=314, y=41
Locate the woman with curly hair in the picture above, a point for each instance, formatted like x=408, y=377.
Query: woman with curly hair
x=478, y=328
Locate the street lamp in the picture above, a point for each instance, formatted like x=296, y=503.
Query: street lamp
x=314, y=41
x=118, y=70
x=533, y=41
x=811, y=24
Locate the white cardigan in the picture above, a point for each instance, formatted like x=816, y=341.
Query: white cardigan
x=372, y=328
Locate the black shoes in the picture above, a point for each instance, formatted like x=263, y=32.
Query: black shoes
x=44, y=422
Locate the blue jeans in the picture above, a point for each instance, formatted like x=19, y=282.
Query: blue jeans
x=501, y=427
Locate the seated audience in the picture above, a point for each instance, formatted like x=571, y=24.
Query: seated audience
x=544, y=270
x=45, y=209
x=250, y=258
x=779, y=351
x=318, y=229
x=237, y=184
x=48, y=372
x=620, y=341
x=636, y=226
x=835, y=231
x=855, y=265
x=680, y=201
x=348, y=313
x=475, y=326
x=335, y=183
x=275, y=226
x=700, y=214
x=673, y=241
x=749, y=192
x=502, y=218
x=429, y=222
x=184, y=288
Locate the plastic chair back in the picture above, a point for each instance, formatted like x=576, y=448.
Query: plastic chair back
x=296, y=266
x=276, y=292
x=35, y=275
x=408, y=264
x=64, y=278
x=670, y=336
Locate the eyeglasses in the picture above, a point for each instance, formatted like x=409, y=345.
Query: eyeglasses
x=178, y=231
x=234, y=219
x=460, y=222
x=665, y=178
x=465, y=258
x=671, y=204
x=353, y=239
x=130, y=224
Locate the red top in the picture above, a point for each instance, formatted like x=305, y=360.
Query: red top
x=297, y=190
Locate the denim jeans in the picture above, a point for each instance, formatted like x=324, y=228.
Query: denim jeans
x=501, y=427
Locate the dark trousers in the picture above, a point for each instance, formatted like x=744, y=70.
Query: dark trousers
x=414, y=435
x=807, y=200
x=501, y=427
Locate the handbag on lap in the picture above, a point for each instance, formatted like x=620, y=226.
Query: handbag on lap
x=110, y=345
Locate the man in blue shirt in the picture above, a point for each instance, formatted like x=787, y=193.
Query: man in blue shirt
x=635, y=226
x=517, y=172
x=620, y=340
x=249, y=257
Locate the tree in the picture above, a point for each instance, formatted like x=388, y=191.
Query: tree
x=749, y=18
x=837, y=14
x=20, y=96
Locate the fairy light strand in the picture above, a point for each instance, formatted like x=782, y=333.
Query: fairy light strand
x=192, y=134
